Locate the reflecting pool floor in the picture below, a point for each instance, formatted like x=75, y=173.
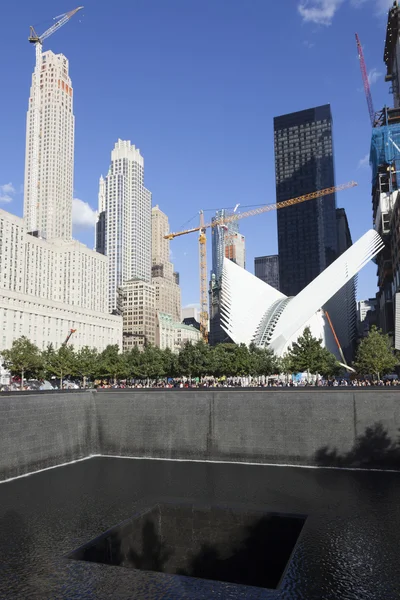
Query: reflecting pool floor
x=347, y=547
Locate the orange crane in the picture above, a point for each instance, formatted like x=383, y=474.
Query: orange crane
x=202, y=228
x=71, y=331
x=364, y=75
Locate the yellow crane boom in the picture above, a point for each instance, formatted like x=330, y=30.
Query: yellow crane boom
x=236, y=217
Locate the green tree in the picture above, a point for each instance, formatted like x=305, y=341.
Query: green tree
x=151, y=363
x=262, y=361
x=202, y=357
x=61, y=362
x=170, y=363
x=86, y=363
x=132, y=362
x=223, y=360
x=187, y=360
x=329, y=365
x=22, y=358
x=286, y=364
x=241, y=361
x=375, y=354
x=308, y=355
x=110, y=363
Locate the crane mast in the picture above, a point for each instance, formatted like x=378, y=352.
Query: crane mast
x=203, y=279
x=365, y=79
x=37, y=40
x=202, y=229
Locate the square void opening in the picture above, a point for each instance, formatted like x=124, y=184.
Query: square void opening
x=222, y=544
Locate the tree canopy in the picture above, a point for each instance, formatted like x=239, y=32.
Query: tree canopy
x=375, y=355
x=193, y=361
x=23, y=358
x=308, y=355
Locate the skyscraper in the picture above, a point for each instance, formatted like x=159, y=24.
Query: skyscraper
x=307, y=235
x=168, y=292
x=49, y=154
x=266, y=268
x=123, y=231
x=226, y=242
x=218, y=241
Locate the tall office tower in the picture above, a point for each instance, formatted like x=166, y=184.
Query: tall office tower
x=218, y=243
x=391, y=56
x=123, y=231
x=307, y=239
x=168, y=292
x=266, y=268
x=49, y=154
x=226, y=242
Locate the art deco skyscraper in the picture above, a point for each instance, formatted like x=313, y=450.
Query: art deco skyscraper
x=123, y=231
x=49, y=154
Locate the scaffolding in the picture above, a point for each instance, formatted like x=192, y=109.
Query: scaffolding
x=385, y=148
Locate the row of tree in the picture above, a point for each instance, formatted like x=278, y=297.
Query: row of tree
x=25, y=360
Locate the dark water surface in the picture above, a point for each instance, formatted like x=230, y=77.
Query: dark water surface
x=347, y=548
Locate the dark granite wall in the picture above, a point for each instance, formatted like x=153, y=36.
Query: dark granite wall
x=44, y=430
x=307, y=427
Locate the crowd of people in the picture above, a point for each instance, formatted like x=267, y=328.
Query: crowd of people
x=206, y=382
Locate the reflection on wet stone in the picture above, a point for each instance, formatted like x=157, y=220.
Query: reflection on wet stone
x=215, y=543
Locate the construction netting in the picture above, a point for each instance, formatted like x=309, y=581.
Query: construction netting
x=385, y=148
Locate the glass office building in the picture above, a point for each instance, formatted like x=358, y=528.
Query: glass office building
x=266, y=268
x=307, y=233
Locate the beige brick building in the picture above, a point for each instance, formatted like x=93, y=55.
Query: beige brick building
x=167, y=290
x=138, y=306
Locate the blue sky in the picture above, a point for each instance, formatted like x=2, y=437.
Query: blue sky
x=195, y=84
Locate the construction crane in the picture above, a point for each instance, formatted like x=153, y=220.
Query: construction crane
x=344, y=363
x=202, y=228
x=71, y=332
x=38, y=40
x=365, y=79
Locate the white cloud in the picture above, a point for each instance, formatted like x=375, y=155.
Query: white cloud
x=373, y=76
x=7, y=191
x=320, y=12
x=308, y=44
x=83, y=215
x=383, y=5
x=363, y=162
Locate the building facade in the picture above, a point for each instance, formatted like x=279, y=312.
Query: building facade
x=123, y=230
x=366, y=315
x=191, y=316
x=307, y=239
x=50, y=283
x=266, y=268
x=50, y=287
x=174, y=335
x=226, y=242
x=137, y=299
x=49, y=155
x=391, y=56
x=168, y=292
x=385, y=165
